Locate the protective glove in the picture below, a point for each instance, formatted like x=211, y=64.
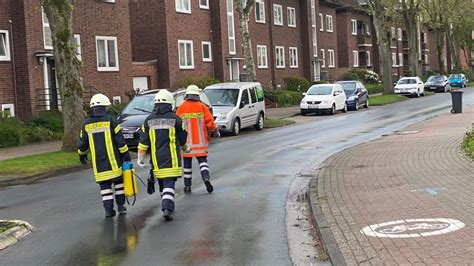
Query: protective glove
x=126, y=157
x=186, y=148
x=150, y=188
x=83, y=159
x=141, y=159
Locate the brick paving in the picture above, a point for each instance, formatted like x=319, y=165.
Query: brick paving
x=417, y=173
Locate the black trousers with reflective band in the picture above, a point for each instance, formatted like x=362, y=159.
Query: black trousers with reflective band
x=167, y=186
x=108, y=193
x=188, y=169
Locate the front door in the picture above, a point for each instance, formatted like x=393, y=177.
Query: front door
x=234, y=71
x=245, y=109
x=316, y=71
x=50, y=82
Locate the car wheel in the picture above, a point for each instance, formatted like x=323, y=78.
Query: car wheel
x=418, y=94
x=345, y=108
x=445, y=88
x=356, y=107
x=259, y=125
x=303, y=113
x=423, y=94
x=333, y=110
x=236, y=127
x=366, y=105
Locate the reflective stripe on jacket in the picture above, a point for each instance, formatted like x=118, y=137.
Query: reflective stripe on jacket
x=102, y=137
x=164, y=134
x=197, y=120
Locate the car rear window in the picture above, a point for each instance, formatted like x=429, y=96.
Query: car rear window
x=260, y=96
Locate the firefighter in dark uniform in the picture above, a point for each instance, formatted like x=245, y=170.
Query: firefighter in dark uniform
x=101, y=135
x=163, y=133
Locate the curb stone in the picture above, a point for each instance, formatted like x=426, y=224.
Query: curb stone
x=15, y=234
x=322, y=227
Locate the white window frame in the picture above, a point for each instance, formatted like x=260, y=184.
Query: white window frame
x=106, y=39
x=204, y=59
x=393, y=33
x=7, y=56
x=354, y=26
x=282, y=53
x=425, y=37
x=369, y=59
x=77, y=39
x=206, y=6
x=277, y=8
x=323, y=58
x=394, y=60
x=291, y=15
x=400, y=59
x=293, y=53
x=321, y=20
x=314, y=37
x=331, y=58
x=425, y=58
x=260, y=6
x=186, y=42
x=400, y=34
x=355, y=55
x=178, y=10
x=262, y=56
x=46, y=25
x=231, y=37
x=10, y=106
x=329, y=23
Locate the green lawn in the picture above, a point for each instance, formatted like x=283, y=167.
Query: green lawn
x=468, y=143
x=470, y=84
x=4, y=226
x=386, y=99
x=38, y=164
x=271, y=123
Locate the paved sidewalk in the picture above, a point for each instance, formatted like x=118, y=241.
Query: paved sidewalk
x=15, y=152
x=283, y=112
x=407, y=198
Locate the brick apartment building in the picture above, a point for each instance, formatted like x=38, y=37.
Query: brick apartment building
x=27, y=74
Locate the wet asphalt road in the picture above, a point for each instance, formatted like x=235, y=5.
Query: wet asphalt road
x=242, y=222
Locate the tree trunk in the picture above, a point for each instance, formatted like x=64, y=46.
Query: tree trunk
x=247, y=46
x=439, y=49
x=412, y=34
x=59, y=14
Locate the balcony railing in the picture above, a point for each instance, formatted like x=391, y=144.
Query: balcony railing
x=364, y=40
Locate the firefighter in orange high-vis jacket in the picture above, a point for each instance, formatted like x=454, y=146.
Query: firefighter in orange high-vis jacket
x=198, y=121
x=101, y=135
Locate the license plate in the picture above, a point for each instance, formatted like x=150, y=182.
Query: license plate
x=128, y=136
x=433, y=88
x=313, y=106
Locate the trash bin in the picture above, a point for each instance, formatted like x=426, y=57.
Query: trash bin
x=456, y=97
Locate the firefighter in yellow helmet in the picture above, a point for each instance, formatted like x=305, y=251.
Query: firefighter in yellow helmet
x=101, y=135
x=163, y=132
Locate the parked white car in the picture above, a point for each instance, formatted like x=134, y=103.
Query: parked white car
x=237, y=105
x=410, y=86
x=324, y=98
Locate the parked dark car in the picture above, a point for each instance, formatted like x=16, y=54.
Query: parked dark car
x=356, y=94
x=438, y=83
x=137, y=110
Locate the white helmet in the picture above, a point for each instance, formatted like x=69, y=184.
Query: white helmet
x=193, y=90
x=99, y=100
x=164, y=96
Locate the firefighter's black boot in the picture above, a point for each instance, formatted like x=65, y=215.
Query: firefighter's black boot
x=187, y=190
x=168, y=215
x=209, y=186
x=109, y=213
x=122, y=209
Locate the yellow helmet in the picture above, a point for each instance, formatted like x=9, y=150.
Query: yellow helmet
x=100, y=100
x=164, y=96
x=193, y=90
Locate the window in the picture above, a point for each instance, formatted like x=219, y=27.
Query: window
x=107, y=53
x=4, y=46
x=77, y=43
x=394, y=60
x=425, y=37
x=393, y=33
x=116, y=100
x=354, y=26
x=399, y=34
x=260, y=96
x=314, y=36
x=369, y=63
x=204, y=4
x=321, y=20
x=245, y=97
x=260, y=11
x=356, y=58
x=230, y=26
x=262, y=61
x=400, y=59
x=291, y=17
x=186, y=54
x=48, y=40
x=8, y=110
x=331, y=59
x=278, y=15
x=253, y=96
x=323, y=58
x=206, y=52
x=293, y=57
x=183, y=6
x=329, y=25
x=280, y=56
x=425, y=58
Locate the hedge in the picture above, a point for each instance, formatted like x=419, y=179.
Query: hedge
x=200, y=81
x=296, y=84
x=374, y=88
x=284, y=97
x=365, y=75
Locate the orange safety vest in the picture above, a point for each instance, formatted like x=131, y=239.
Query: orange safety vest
x=197, y=120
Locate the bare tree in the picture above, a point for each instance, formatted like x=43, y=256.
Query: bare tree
x=410, y=11
x=243, y=8
x=59, y=14
x=382, y=12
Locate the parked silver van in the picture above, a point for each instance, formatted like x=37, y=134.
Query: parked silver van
x=237, y=105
